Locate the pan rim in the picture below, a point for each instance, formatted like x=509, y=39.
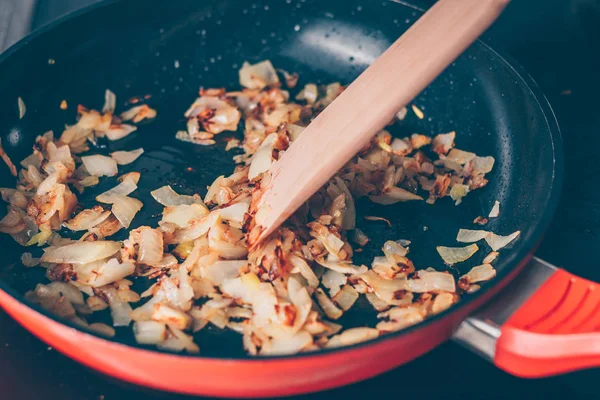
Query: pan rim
x=543, y=222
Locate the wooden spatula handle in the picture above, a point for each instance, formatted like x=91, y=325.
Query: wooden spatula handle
x=371, y=101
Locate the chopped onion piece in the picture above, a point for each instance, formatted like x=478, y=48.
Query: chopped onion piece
x=119, y=309
x=442, y=302
x=126, y=157
x=482, y=165
x=288, y=344
x=459, y=156
x=258, y=76
x=333, y=280
x=110, y=102
x=87, y=219
x=490, y=257
x=346, y=297
x=497, y=242
x=301, y=301
x=184, y=214
x=471, y=236
x=98, y=165
x=394, y=195
x=124, y=209
x=80, y=252
x=151, y=246
x=262, y=159
x=357, y=335
x=168, y=197
x=305, y=270
x=22, y=108
x=235, y=212
x=328, y=306
x=126, y=187
x=108, y=272
x=442, y=143
x=309, y=93
x=495, y=211
x=480, y=273
x=431, y=281
x=28, y=260
x=453, y=255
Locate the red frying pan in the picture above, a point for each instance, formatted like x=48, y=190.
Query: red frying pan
x=545, y=322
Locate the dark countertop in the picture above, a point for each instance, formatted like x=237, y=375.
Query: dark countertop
x=557, y=42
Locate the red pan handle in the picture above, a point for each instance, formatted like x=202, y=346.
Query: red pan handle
x=553, y=326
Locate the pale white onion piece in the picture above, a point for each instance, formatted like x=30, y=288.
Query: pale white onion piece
x=169, y=315
x=221, y=271
x=150, y=246
x=259, y=75
x=308, y=93
x=497, y=242
x=357, y=335
x=235, y=212
x=346, y=297
x=149, y=332
x=453, y=255
x=288, y=344
x=482, y=165
x=81, y=252
x=87, y=219
x=333, y=280
x=108, y=272
x=376, y=302
x=394, y=195
x=429, y=281
x=301, y=301
x=459, y=156
x=305, y=270
x=126, y=187
x=343, y=267
x=119, y=132
x=360, y=238
x=495, y=211
x=198, y=228
x=22, y=107
x=119, y=309
x=263, y=158
x=182, y=215
x=400, y=115
x=349, y=219
x=126, y=157
x=98, y=165
x=443, y=142
x=110, y=102
x=480, y=273
x=179, y=341
x=28, y=260
x=131, y=176
x=294, y=131
x=471, y=236
x=102, y=329
x=490, y=257
x=329, y=307
x=442, y=302
x=168, y=197
x=125, y=208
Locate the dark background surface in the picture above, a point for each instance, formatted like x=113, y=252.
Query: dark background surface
x=558, y=43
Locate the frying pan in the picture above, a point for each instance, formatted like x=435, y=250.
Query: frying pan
x=541, y=324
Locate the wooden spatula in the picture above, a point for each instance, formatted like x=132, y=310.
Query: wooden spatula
x=371, y=101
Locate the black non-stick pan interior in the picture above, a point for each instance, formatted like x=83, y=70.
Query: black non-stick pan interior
x=168, y=50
